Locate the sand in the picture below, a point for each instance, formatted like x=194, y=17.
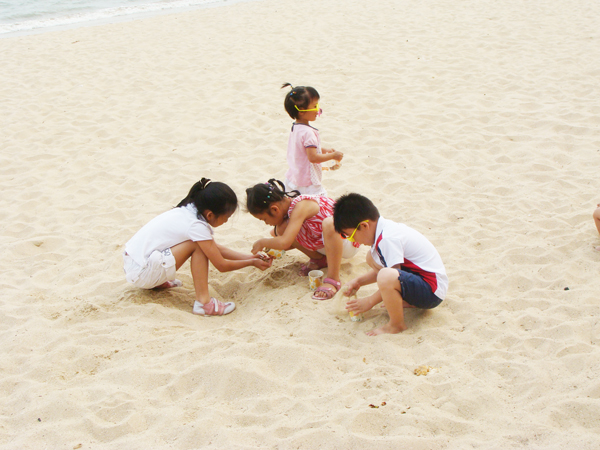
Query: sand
x=475, y=122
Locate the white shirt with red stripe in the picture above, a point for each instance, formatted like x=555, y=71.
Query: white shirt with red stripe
x=398, y=244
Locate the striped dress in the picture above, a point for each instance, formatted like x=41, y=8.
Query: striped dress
x=310, y=235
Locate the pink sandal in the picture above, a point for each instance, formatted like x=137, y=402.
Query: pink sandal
x=329, y=292
x=313, y=264
x=213, y=308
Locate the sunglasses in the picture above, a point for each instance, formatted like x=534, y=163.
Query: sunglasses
x=316, y=108
x=351, y=237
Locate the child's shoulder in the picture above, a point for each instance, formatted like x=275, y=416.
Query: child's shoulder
x=390, y=228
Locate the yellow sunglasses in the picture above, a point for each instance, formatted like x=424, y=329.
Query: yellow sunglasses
x=351, y=237
x=316, y=108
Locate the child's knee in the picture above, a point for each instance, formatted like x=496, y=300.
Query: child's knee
x=387, y=278
x=596, y=214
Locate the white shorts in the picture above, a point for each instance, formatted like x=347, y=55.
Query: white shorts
x=305, y=190
x=160, y=267
x=348, y=251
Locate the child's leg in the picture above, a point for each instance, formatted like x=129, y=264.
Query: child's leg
x=279, y=230
x=334, y=247
x=312, y=254
x=199, y=267
x=596, y=217
x=389, y=287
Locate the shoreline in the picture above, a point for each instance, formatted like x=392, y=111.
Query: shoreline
x=117, y=18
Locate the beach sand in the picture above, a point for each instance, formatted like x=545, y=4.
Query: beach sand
x=476, y=123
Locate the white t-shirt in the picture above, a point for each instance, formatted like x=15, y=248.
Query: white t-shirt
x=398, y=244
x=167, y=230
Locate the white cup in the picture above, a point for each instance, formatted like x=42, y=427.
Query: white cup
x=315, y=279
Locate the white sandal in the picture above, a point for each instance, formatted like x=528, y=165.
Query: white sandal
x=213, y=308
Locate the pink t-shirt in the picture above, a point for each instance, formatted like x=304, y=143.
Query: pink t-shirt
x=301, y=171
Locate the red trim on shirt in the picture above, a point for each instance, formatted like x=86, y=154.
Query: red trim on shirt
x=429, y=277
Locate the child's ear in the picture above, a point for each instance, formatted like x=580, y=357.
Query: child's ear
x=273, y=209
x=208, y=215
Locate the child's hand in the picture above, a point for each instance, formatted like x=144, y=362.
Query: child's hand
x=359, y=305
x=262, y=264
x=338, y=156
x=257, y=247
x=351, y=288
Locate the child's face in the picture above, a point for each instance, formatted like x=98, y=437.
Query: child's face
x=358, y=234
x=273, y=216
x=217, y=221
x=312, y=111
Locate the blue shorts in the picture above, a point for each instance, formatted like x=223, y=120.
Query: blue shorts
x=416, y=292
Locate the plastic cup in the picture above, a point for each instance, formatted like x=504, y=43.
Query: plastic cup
x=315, y=279
x=274, y=253
x=355, y=317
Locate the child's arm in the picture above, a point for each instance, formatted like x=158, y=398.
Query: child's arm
x=361, y=305
x=302, y=211
x=227, y=253
x=353, y=286
x=211, y=249
x=316, y=158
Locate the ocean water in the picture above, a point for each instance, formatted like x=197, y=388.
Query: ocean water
x=34, y=16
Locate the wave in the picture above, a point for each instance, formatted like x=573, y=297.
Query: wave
x=82, y=17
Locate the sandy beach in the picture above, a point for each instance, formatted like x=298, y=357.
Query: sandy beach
x=476, y=123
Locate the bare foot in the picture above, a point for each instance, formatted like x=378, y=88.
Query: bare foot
x=170, y=284
x=597, y=249
x=404, y=305
x=386, y=329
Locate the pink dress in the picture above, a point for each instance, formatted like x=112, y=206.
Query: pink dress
x=310, y=235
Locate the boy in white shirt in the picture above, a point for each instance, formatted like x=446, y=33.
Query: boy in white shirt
x=406, y=266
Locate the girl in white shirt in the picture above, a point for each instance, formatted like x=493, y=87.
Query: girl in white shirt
x=159, y=249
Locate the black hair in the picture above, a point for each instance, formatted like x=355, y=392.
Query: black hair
x=351, y=209
x=260, y=196
x=299, y=96
x=209, y=195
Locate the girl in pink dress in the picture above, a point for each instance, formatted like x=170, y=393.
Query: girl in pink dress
x=304, y=152
x=302, y=222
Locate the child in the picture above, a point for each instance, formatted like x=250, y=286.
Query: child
x=155, y=253
x=596, y=217
x=406, y=266
x=302, y=222
x=304, y=153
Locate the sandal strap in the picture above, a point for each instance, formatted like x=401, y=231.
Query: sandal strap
x=336, y=284
x=219, y=307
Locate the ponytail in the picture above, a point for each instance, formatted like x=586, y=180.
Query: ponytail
x=209, y=195
x=261, y=196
